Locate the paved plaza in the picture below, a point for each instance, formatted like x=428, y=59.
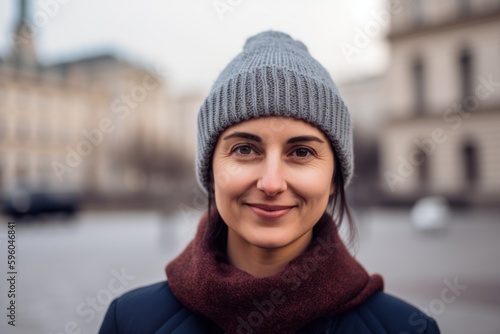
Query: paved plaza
x=68, y=271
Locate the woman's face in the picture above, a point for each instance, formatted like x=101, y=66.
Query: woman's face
x=272, y=180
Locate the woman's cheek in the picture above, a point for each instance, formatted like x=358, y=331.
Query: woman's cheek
x=225, y=172
x=311, y=182
x=233, y=177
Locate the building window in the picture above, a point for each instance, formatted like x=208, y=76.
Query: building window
x=471, y=163
x=417, y=12
x=418, y=86
x=1, y=176
x=465, y=64
x=464, y=7
x=423, y=168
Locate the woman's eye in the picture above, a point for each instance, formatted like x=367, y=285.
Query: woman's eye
x=302, y=152
x=243, y=150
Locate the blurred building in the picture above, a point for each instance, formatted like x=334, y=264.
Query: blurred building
x=99, y=125
x=440, y=102
x=367, y=104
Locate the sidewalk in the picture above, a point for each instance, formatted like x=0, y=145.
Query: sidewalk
x=453, y=275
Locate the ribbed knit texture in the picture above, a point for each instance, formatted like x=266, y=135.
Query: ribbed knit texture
x=274, y=76
x=324, y=281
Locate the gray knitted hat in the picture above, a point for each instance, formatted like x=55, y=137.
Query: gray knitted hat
x=274, y=76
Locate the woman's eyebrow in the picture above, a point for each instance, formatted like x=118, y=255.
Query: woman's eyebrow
x=304, y=138
x=249, y=136
x=244, y=135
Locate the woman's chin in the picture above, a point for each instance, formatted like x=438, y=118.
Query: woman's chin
x=270, y=240
x=270, y=244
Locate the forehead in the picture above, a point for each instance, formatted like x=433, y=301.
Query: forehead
x=275, y=126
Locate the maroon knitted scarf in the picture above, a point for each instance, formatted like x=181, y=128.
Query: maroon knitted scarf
x=325, y=280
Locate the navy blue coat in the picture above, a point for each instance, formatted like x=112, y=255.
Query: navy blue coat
x=154, y=309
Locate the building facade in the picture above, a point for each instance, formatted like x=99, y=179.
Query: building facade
x=441, y=134
x=98, y=125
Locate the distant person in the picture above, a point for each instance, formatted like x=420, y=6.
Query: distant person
x=275, y=155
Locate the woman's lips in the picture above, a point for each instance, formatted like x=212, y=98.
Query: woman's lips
x=270, y=211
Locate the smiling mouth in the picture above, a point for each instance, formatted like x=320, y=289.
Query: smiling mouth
x=270, y=211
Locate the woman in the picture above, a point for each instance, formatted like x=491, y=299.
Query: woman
x=274, y=155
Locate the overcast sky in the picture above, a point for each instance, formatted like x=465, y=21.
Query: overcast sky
x=193, y=40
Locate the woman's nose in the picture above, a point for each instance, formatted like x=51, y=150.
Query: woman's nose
x=271, y=180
